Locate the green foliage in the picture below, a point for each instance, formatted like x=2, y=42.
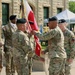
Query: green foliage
x=44, y=47
x=72, y=6
x=44, y=44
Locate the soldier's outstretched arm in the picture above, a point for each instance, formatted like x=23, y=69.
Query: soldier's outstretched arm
x=46, y=36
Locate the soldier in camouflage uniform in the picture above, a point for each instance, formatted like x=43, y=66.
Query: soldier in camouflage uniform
x=56, y=51
x=1, y=55
x=22, y=48
x=32, y=44
x=8, y=30
x=69, y=45
x=30, y=57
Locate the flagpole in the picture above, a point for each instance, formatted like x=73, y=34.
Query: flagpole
x=24, y=14
x=28, y=14
x=22, y=7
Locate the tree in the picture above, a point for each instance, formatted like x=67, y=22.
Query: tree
x=72, y=6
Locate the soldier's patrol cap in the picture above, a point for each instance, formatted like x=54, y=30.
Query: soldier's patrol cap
x=62, y=21
x=12, y=17
x=21, y=21
x=31, y=22
x=53, y=19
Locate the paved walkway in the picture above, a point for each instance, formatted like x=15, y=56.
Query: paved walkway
x=42, y=72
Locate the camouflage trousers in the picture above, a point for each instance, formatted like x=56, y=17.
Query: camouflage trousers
x=67, y=68
x=10, y=68
x=30, y=65
x=57, y=66
x=30, y=69
x=21, y=66
x=0, y=60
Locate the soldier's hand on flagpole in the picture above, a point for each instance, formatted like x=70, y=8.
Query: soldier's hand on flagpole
x=34, y=32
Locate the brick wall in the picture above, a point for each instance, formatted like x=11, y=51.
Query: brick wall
x=38, y=7
x=58, y=4
x=14, y=6
x=52, y=4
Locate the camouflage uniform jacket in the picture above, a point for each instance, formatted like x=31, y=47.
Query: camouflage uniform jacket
x=69, y=43
x=21, y=43
x=8, y=30
x=56, y=42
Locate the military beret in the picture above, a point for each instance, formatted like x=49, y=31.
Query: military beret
x=53, y=19
x=21, y=21
x=31, y=22
x=62, y=21
x=12, y=17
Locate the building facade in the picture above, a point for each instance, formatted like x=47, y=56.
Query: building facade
x=42, y=9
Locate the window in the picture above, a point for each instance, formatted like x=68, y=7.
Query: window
x=59, y=10
x=46, y=12
x=5, y=13
x=46, y=15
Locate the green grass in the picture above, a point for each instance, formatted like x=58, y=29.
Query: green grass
x=43, y=47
